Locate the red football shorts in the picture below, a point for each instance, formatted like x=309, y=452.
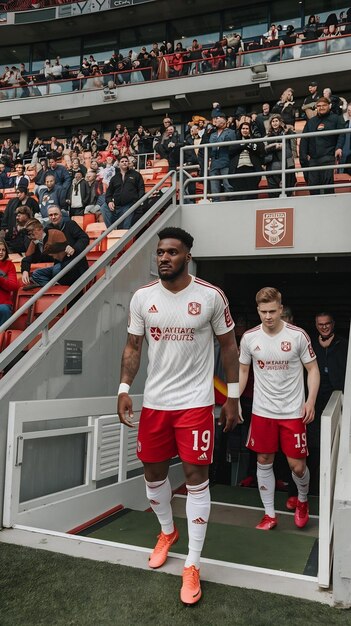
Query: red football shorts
x=267, y=435
x=188, y=433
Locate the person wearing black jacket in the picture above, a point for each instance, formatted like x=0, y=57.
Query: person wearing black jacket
x=125, y=188
x=78, y=194
x=39, y=252
x=246, y=158
x=274, y=152
x=8, y=223
x=77, y=239
x=323, y=149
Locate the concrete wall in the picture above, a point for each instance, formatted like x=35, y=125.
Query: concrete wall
x=322, y=225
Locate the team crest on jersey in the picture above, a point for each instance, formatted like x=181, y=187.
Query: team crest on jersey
x=274, y=227
x=260, y=364
x=285, y=346
x=227, y=317
x=194, y=308
x=311, y=351
x=155, y=333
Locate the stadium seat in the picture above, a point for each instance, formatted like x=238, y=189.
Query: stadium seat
x=94, y=231
x=114, y=236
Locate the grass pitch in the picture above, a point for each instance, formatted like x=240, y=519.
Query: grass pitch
x=39, y=588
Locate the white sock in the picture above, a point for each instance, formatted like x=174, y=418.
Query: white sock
x=302, y=484
x=266, y=485
x=159, y=494
x=198, y=505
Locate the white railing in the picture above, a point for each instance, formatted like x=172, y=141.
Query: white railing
x=41, y=324
x=283, y=190
x=330, y=437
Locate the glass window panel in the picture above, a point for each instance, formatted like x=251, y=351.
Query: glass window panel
x=100, y=46
x=14, y=55
x=204, y=28
x=39, y=55
x=139, y=36
x=67, y=49
x=324, y=8
x=284, y=14
x=250, y=21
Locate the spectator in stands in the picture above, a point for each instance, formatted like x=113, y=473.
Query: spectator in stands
x=94, y=143
x=323, y=149
x=43, y=248
x=8, y=224
x=346, y=152
x=273, y=34
x=16, y=234
x=8, y=283
x=78, y=194
x=331, y=352
x=125, y=189
x=77, y=239
x=43, y=170
x=194, y=57
x=309, y=103
x=109, y=170
x=48, y=194
x=137, y=141
x=220, y=156
x=169, y=147
x=163, y=68
x=262, y=119
x=310, y=31
x=5, y=181
x=122, y=137
x=338, y=105
x=246, y=158
x=38, y=150
x=21, y=178
x=75, y=144
x=62, y=177
x=191, y=160
x=273, y=157
x=286, y=108
x=96, y=198
x=76, y=165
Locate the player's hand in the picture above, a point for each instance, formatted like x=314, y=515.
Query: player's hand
x=308, y=413
x=229, y=416
x=125, y=409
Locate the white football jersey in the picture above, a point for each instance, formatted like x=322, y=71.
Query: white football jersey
x=179, y=329
x=278, y=369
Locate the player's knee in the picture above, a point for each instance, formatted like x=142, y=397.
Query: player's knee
x=298, y=466
x=265, y=459
x=195, y=474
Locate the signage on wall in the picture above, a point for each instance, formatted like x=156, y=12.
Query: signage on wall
x=95, y=6
x=275, y=228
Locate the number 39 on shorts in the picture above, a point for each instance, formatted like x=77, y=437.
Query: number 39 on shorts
x=205, y=440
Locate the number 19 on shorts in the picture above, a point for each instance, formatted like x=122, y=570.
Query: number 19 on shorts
x=205, y=440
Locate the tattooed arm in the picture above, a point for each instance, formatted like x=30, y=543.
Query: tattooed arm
x=129, y=368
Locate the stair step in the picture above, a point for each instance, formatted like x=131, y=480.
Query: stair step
x=275, y=550
x=251, y=497
x=247, y=517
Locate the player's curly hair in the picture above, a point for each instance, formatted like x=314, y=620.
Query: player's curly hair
x=173, y=232
x=268, y=294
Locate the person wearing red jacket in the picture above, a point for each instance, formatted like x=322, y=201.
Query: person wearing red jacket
x=8, y=283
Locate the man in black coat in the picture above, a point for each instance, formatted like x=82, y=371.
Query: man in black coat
x=39, y=252
x=125, y=189
x=323, y=149
x=77, y=239
x=8, y=224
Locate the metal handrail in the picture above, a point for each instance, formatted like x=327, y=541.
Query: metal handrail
x=283, y=171
x=42, y=322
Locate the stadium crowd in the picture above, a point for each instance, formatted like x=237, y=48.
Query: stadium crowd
x=170, y=60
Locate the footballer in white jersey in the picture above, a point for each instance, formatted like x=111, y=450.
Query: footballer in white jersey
x=279, y=352
x=179, y=315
